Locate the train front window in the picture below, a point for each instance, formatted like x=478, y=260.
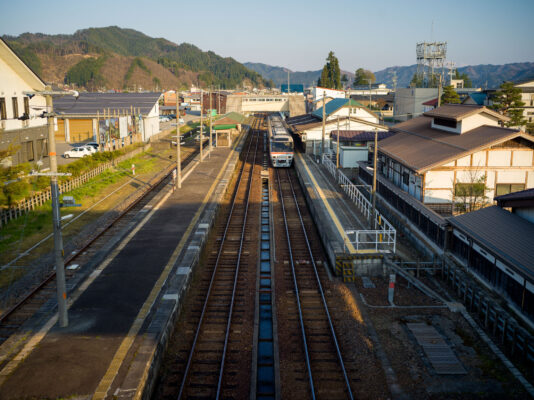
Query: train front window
x=282, y=147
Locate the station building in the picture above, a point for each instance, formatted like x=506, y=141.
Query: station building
x=340, y=114
x=23, y=126
x=354, y=145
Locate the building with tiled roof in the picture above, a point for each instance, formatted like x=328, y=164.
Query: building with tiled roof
x=455, y=147
x=495, y=245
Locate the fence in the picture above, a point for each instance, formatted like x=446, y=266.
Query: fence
x=515, y=340
x=426, y=220
x=38, y=199
x=377, y=239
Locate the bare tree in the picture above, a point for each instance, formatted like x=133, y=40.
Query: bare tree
x=471, y=194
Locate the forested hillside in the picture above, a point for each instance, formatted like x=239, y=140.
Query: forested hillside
x=90, y=58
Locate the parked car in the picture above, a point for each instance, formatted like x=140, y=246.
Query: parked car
x=77, y=152
x=91, y=149
x=95, y=145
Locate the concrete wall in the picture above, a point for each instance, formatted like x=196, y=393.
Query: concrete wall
x=409, y=101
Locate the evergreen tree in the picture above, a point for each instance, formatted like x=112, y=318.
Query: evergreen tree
x=330, y=76
x=507, y=101
x=449, y=96
x=416, y=81
x=465, y=77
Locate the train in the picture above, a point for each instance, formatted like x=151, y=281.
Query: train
x=281, y=148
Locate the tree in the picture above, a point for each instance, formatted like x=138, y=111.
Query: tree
x=449, y=96
x=362, y=77
x=344, y=79
x=470, y=195
x=330, y=76
x=465, y=77
x=508, y=102
x=416, y=81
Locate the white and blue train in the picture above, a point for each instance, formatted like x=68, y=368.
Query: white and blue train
x=281, y=149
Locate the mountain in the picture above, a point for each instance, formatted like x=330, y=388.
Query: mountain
x=484, y=75
x=279, y=74
x=490, y=76
x=117, y=58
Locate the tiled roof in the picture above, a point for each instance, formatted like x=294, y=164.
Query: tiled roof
x=524, y=198
x=420, y=147
x=335, y=104
x=505, y=234
x=93, y=103
x=359, y=136
x=313, y=122
x=457, y=112
x=478, y=98
x=433, y=102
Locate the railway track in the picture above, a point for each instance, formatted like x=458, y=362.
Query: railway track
x=212, y=357
x=26, y=306
x=315, y=365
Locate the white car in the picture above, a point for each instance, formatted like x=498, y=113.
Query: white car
x=90, y=149
x=77, y=152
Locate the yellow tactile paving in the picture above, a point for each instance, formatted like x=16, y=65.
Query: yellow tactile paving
x=124, y=347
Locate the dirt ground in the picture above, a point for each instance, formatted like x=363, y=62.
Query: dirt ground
x=486, y=376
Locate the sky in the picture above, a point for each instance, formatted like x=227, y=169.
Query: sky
x=299, y=34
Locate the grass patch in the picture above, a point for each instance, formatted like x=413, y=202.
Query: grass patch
x=35, y=225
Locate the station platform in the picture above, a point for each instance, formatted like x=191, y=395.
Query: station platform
x=335, y=214
x=121, y=314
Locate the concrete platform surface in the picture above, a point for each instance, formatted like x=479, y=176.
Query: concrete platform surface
x=113, y=310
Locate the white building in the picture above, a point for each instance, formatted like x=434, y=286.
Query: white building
x=376, y=89
x=21, y=123
x=342, y=114
x=319, y=92
x=433, y=156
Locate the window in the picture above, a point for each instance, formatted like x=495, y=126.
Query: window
x=405, y=178
x=469, y=189
x=28, y=147
x=445, y=122
x=3, y=108
x=26, y=106
x=15, y=107
x=505, y=188
x=42, y=148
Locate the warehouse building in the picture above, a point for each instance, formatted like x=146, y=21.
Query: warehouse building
x=115, y=119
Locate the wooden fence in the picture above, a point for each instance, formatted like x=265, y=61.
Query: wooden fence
x=39, y=198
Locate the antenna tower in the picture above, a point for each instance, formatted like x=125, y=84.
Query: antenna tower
x=430, y=62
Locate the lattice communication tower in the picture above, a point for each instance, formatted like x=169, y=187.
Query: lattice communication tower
x=431, y=62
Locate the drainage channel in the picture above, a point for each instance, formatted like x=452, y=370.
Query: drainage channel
x=266, y=327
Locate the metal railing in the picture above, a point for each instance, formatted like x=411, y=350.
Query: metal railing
x=383, y=238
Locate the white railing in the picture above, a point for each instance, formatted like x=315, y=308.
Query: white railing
x=382, y=238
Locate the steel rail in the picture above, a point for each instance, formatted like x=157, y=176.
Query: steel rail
x=238, y=263
x=295, y=284
x=332, y=331
x=212, y=280
x=72, y=256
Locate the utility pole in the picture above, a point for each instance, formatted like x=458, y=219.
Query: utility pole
x=178, y=145
x=211, y=148
x=324, y=124
x=201, y=121
x=337, y=152
x=56, y=217
x=288, y=83
x=394, y=95
x=373, y=219
x=439, y=92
